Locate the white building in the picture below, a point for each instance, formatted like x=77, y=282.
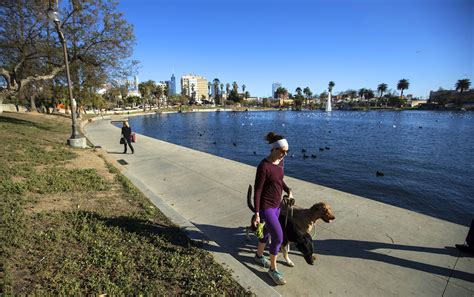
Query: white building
x=195, y=87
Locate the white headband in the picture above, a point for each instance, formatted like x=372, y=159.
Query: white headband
x=279, y=143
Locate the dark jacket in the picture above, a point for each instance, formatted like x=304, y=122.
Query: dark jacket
x=127, y=133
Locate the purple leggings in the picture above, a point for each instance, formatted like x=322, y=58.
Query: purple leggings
x=272, y=229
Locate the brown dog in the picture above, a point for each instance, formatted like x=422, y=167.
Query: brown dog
x=301, y=219
x=304, y=219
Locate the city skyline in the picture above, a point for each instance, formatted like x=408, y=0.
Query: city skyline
x=356, y=44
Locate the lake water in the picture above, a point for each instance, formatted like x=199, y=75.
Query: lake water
x=427, y=157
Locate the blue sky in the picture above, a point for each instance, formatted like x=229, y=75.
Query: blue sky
x=355, y=43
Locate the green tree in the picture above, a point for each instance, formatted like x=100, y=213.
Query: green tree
x=235, y=87
x=99, y=41
x=331, y=86
x=298, y=99
x=227, y=89
x=166, y=93
x=134, y=100
x=234, y=96
x=217, y=96
x=243, y=88
x=382, y=88
x=158, y=93
x=124, y=90
x=281, y=93
x=193, y=94
x=177, y=100
x=307, y=92
x=396, y=101
x=299, y=91
x=461, y=86
x=147, y=89
x=402, y=85
x=222, y=92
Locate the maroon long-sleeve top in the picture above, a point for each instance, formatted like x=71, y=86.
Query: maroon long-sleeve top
x=269, y=185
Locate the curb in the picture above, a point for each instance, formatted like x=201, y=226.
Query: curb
x=244, y=276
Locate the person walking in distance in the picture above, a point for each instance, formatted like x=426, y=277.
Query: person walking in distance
x=127, y=135
x=269, y=185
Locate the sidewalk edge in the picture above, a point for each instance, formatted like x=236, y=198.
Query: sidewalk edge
x=244, y=276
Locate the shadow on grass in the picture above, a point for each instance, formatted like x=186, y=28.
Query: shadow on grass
x=4, y=119
x=233, y=241
x=147, y=229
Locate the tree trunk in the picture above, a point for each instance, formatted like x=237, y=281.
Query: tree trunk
x=32, y=103
x=460, y=98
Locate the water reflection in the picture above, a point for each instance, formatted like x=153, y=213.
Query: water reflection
x=426, y=156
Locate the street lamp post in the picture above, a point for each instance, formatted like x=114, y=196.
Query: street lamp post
x=75, y=140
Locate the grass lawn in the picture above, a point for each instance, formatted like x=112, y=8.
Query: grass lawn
x=71, y=223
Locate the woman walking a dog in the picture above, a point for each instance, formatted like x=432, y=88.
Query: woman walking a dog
x=269, y=185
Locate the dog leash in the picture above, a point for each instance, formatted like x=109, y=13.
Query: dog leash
x=289, y=202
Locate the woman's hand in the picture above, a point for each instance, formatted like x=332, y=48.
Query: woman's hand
x=256, y=221
x=290, y=194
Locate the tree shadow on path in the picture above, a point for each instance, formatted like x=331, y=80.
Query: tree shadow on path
x=234, y=241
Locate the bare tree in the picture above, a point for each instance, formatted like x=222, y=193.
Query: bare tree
x=99, y=42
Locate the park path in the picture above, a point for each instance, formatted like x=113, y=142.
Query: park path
x=371, y=249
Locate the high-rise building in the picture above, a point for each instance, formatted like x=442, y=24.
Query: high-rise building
x=172, y=85
x=275, y=87
x=135, y=82
x=195, y=87
x=133, y=87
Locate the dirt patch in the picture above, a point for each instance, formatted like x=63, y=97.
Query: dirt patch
x=76, y=225
x=17, y=179
x=90, y=158
x=109, y=201
x=104, y=202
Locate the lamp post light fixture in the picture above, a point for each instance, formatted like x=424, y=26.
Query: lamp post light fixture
x=76, y=140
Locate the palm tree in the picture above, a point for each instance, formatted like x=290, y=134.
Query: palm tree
x=216, y=90
x=330, y=86
x=166, y=94
x=222, y=92
x=281, y=92
x=142, y=89
x=308, y=94
x=243, y=88
x=402, y=85
x=193, y=94
x=461, y=86
x=209, y=88
x=235, y=87
x=298, y=91
x=381, y=89
x=146, y=88
x=363, y=94
x=227, y=89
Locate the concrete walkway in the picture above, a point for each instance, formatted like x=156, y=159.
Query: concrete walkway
x=371, y=249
